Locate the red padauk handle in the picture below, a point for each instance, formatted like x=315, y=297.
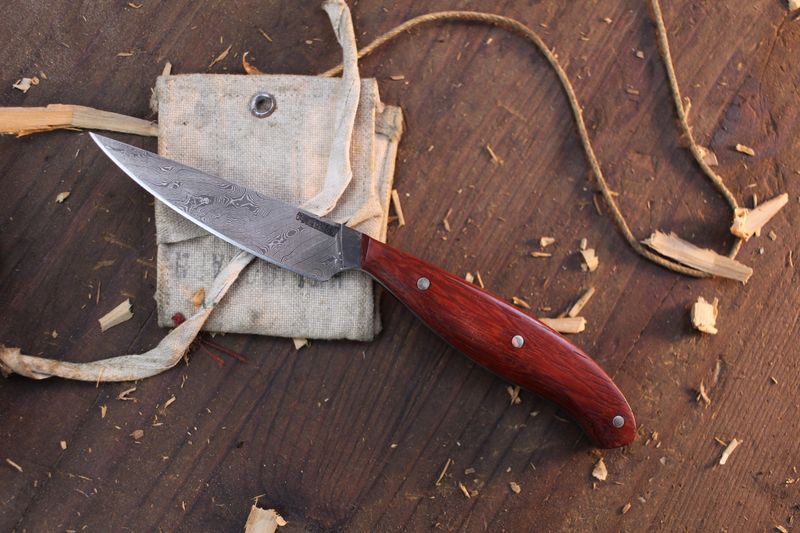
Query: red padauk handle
x=506, y=341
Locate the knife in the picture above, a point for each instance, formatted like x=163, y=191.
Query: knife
x=491, y=332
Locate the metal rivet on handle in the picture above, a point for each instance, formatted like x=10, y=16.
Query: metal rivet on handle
x=517, y=341
x=423, y=284
x=618, y=421
x=262, y=105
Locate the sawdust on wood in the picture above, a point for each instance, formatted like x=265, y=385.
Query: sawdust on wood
x=704, y=315
x=670, y=245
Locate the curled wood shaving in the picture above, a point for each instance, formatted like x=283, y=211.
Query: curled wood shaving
x=726, y=453
x=513, y=392
x=600, y=472
x=748, y=222
x=519, y=302
x=25, y=84
x=578, y=306
x=125, y=395
x=248, y=67
x=745, y=149
x=221, y=56
x=445, y=222
x=22, y=121
x=398, y=209
x=565, y=324
x=704, y=315
x=263, y=520
x=698, y=258
x=590, y=260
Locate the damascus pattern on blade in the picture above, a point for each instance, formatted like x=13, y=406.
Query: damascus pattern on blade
x=273, y=230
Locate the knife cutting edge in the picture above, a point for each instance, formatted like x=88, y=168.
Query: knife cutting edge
x=491, y=332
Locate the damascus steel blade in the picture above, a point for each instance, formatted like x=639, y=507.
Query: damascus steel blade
x=275, y=231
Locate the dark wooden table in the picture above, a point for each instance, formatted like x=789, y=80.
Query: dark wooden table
x=348, y=436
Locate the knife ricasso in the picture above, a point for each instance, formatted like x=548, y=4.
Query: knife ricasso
x=506, y=341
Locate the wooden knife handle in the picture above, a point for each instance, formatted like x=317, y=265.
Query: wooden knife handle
x=506, y=341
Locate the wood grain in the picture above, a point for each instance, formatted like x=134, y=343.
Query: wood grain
x=506, y=341
x=314, y=432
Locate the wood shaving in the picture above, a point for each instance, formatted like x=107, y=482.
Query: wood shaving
x=565, y=324
x=688, y=254
x=745, y=149
x=398, y=209
x=519, y=302
x=748, y=222
x=199, y=297
x=541, y=254
x=60, y=197
x=103, y=264
x=639, y=54
x=514, y=486
x=116, y=316
x=726, y=453
x=480, y=279
x=124, y=54
x=397, y=77
x=299, y=342
x=600, y=472
x=169, y=402
x=779, y=528
x=464, y=490
x=248, y=67
x=702, y=395
x=263, y=520
x=513, y=392
x=25, y=84
x=22, y=121
x=63, y=444
x=625, y=508
x=590, y=260
x=137, y=434
x=445, y=222
x=583, y=244
x=578, y=306
x=134, y=6
x=468, y=277
x=221, y=56
x=264, y=35
x=544, y=242
x=708, y=156
x=495, y=159
x=13, y=464
x=103, y=411
x=443, y=472
x=125, y=395
x=704, y=315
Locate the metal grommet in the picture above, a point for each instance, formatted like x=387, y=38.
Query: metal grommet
x=517, y=341
x=423, y=284
x=262, y=105
x=618, y=421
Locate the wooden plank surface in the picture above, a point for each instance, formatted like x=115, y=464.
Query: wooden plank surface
x=352, y=437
